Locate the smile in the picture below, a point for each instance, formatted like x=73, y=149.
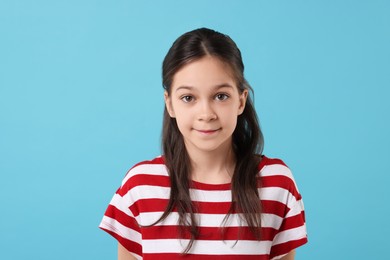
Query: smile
x=208, y=132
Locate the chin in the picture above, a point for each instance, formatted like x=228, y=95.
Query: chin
x=211, y=147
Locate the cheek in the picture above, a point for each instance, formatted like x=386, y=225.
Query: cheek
x=182, y=121
x=230, y=118
x=182, y=111
x=233, y=122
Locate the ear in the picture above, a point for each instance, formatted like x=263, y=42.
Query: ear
x=242, y=100
x=168, y=104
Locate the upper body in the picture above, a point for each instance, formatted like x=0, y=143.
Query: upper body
x=211, y=195
x=144, y=194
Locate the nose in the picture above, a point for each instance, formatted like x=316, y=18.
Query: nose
x=206, y=112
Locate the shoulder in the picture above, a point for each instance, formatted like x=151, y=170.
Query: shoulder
x=267, y=161
x=273, y=166
x=159, y=160
x=275, y=173
x=146, y=173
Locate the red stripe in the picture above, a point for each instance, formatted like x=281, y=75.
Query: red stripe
x=212, y=207
x=274, y=207
x=212, y=187
x=144, y=179
x=269, y=161
x=279, y=181
x=207, y=233
x=293, y=222
x=285, y=248
x=170, y=256
x=151, y=180
x=122, y=218
x=159, y=205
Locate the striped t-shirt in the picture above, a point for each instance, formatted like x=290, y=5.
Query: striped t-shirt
x=144, y=194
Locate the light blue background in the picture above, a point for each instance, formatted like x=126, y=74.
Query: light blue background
x=81, y=102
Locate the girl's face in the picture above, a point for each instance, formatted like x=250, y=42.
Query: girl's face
x=205, y=102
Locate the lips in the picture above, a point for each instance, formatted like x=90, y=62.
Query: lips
x=207, y=131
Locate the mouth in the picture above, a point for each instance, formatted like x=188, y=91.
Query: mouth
x=207, y=131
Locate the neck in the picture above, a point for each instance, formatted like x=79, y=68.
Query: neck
x=213, y=167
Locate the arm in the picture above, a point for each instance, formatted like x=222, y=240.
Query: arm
x=289, y=256
x=123, y=254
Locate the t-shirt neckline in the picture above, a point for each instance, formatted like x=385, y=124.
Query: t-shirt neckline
x=208, y=186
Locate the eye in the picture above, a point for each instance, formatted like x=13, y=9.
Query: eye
x=187, y=99
x=221, y=96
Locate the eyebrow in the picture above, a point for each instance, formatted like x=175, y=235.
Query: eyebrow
x=219, y=86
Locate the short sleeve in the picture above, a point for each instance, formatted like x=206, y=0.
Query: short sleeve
x=292, y=232
x=119, y=221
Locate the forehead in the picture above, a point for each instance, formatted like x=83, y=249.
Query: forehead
x=202, y=73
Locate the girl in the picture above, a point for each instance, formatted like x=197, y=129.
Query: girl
x=212, y=194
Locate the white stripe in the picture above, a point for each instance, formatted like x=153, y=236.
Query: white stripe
x=290, y=235
x=209, y=247
x=296, y=209
x=207, y=220
x=149, y=192
x=122, y=204
x=211, y=196
x=271, y=220
x=123, y=231
x=277, y=194
x=269, y=193
x=151, y=169
x=276, y=169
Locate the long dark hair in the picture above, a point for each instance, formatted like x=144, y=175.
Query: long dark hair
x=247, y=137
